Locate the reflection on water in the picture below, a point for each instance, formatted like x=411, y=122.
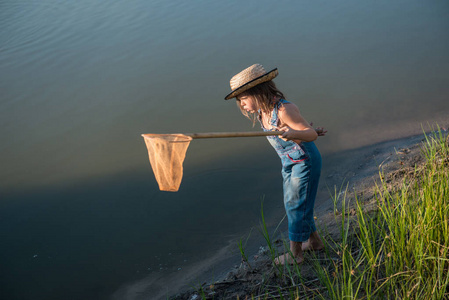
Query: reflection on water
x=80, y=81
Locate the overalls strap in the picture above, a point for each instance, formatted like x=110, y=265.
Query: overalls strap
x=275, y=118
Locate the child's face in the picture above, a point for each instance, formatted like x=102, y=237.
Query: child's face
x=248, y=103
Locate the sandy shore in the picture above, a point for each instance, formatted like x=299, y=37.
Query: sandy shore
x=357, y=170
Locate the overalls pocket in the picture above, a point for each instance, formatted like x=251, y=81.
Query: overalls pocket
x=296, y=155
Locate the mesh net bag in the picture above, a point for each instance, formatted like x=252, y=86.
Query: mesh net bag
x=167, y=153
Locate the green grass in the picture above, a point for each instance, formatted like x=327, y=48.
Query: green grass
x=242, y=246
x=400, y=250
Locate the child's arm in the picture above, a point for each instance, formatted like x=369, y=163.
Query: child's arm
x=295, y=127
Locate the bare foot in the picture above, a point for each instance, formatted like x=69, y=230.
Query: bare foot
x=292, y=257
x=314, y=243
x=287, y=258
x=308, y=246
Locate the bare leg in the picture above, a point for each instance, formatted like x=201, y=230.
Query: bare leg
x=287, y=258
x=313, y=243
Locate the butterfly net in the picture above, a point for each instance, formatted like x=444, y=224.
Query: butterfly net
x=167, y=153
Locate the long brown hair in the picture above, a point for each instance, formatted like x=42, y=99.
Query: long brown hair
x=266, y=95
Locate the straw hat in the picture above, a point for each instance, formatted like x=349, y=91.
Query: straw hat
x=248, y=78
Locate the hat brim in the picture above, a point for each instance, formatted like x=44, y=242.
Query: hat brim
x=264, y=78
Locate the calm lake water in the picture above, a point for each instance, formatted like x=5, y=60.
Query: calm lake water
x=81, y=216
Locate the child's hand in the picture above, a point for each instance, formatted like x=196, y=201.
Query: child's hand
x=288, y=133
x=319, y=130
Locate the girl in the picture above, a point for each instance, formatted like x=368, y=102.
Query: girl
x=258, y=97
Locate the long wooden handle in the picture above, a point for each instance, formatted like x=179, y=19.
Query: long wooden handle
x=231, y=134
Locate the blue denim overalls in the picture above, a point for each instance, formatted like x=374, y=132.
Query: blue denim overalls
x=301, y=169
